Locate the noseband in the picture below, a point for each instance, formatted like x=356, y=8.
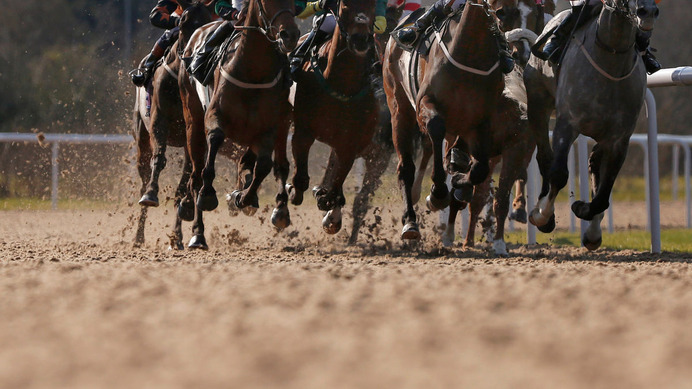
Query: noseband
x=342, y=31
x=267, y=24
x=621, y=8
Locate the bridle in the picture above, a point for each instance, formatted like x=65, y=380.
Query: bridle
x=267, y=25
x=620, y=8
x=343, y=33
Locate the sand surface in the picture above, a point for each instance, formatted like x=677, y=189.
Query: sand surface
x=80, y=307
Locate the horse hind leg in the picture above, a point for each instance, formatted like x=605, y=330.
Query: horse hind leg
x=246, y=166
x=184, y=211
x=207, y=200
x=334, y=198
x=300, y=146
x=281, y=217
x=158, y=161
x=144, y=154
x=263, y=166
x=422, y=168
x=375, y=165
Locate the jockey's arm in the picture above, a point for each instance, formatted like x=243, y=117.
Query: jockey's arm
x=163, y=15
x=226, y=10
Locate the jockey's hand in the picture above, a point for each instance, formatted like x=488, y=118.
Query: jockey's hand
x=380, y=24
x=229, y=13
x=311, y=8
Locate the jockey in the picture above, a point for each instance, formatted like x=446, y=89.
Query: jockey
x=230, y=13
x=323, y=26
x=165, y=15
x=408, y=36
x=552, y=50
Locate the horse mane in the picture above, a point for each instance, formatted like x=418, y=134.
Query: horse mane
x=515, y=89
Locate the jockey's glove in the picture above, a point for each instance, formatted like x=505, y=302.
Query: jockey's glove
x=311, y=8
x=227, y=13
x=380, y=24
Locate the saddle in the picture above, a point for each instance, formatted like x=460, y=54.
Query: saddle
x=212, y=60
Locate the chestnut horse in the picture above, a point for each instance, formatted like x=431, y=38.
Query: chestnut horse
x=335, y=104
x=165, y=124
x=249, y=105
x=598, y=91
x=460, y=83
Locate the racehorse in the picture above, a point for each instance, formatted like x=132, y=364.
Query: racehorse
x=335, y=104
x=598, y=92
x=459, y=85
x=513, y=143
x=164, y=125
x=249, y=105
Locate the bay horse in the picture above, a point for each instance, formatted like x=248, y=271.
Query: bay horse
x=598, y=91
x=163, y=124
x=460, y=83
x=249, y=105
x=335, y=104
x=513, y=143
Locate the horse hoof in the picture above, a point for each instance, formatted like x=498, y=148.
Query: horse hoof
x=281, y=218
x=447, y=239
x=435, y=204
x=548, y=227
x=500, y=248
x=198, y=242
x=591, y=245
x=149, y=200
x=294, y=195
x=233, y=200
x=518, y=215
x=176, y=245
x=207, y=202
x=249, y=210
x=410, y=232
x=463, y=194
x=317, y=191
x=582, y=210
x=324, y=204
x=331, y=227
x=186, y=212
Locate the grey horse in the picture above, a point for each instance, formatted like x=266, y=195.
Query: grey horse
x=598, y=91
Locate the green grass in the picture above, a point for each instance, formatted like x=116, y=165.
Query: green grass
x=672, y=240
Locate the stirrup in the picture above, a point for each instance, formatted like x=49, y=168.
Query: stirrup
x=138, y=76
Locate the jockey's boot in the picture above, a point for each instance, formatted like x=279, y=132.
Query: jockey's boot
x=299, y=55
x=553, y=48
x=642, y=42
x=408, y=36
x=200, y=68
x=506, y=59
x=141, y=75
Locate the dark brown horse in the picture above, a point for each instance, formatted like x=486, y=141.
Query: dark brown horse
x=249, y=105
x=460, y=83
x=164, y=124
x=335, y=104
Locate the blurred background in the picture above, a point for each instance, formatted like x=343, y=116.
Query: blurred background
x=63, y=69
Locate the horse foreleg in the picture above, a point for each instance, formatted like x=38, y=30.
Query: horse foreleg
x=508, y=175
x=376, y=163
x=540, y=105
x=433, y=124
x=543, y=216
x=422, y=168
x=334, y=199
x=448, y=235
x=144, y=169
x=207, y=200
x=281, y=217
x=263, y=166
x=159, y=142
x=183, y=211
x=300, y=145
x=481, y=193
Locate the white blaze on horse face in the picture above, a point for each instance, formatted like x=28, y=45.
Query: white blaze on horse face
x=361, y=18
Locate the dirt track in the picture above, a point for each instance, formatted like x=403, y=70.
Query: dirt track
x=80, y=308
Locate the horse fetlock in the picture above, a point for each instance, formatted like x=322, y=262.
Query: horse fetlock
x=437, y=204
x=176, y=244
x=583, y=210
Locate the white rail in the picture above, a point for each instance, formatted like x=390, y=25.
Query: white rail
x=55, y=140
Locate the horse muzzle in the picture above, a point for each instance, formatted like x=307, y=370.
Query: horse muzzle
x=288, y=39
x=360, y=43
x=646, y=17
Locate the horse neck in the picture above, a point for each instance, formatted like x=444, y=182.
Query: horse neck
x=472, y=41
x=615, y=31
x=256, y=57
x=344, y=69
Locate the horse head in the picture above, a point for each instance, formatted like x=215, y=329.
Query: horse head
x=195, y=15
x=647, y=12
x=277, y=18
x=507, y=12
x=354, y=22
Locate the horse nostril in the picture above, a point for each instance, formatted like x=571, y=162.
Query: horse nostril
x=284, y=35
